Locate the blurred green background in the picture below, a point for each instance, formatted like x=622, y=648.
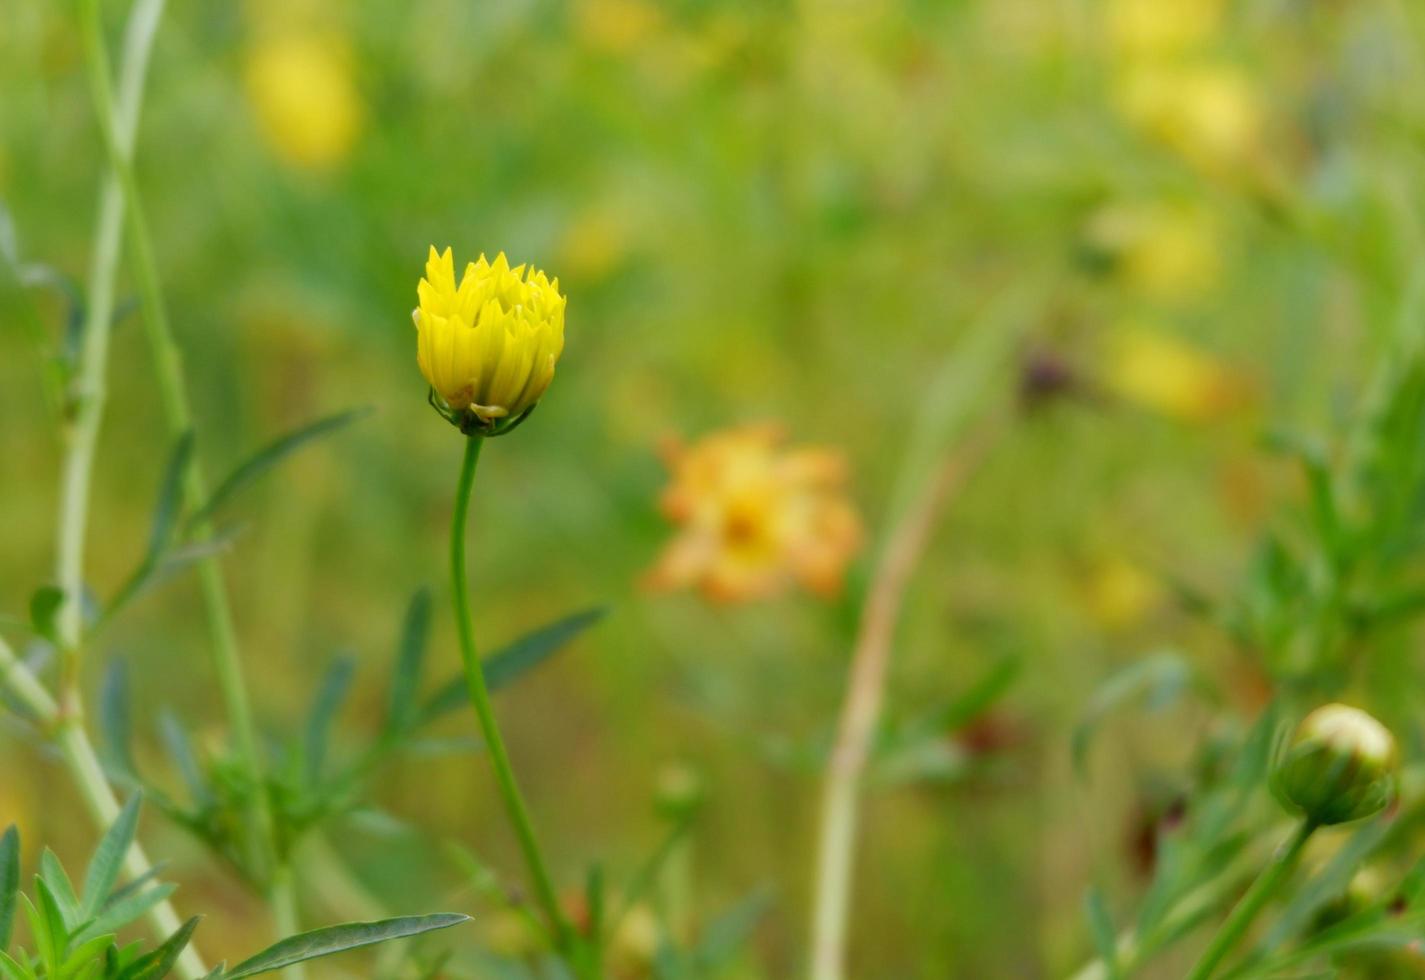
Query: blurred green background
x=786, y=211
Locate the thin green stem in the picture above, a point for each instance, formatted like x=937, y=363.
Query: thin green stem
x=284, y=912
x=173, y=394
x=1252, y=902
x=485, y=712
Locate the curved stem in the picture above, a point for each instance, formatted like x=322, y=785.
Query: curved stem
x=484, y=711
x=1251, y=903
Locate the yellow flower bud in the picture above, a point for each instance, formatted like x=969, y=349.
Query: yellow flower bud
x=489, y=345
x=1339, y=766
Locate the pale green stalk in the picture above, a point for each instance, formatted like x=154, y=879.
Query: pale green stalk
x=79, y=755
x=485, y=712
x=173, y=395
x=82, y=440
x=958, y=393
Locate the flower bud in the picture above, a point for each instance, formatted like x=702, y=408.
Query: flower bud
x=488, y=345
x=1339, y=766
x=680, y=791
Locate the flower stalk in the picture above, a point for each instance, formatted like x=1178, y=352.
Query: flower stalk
x=479, y=694
x=1251, y=903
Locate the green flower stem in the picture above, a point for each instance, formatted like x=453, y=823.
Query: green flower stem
x=284, y=913
x=173, y=395
x=1252, y=902
x=73, y=741
x=480, y=699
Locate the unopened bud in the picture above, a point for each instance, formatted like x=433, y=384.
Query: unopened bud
x=1339, y=766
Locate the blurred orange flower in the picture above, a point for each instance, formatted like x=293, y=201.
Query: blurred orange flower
x=756, y=517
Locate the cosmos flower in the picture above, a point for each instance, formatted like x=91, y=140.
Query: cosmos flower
x=488, y=345
x=755, y=517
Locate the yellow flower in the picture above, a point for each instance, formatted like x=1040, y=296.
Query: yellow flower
x=1153, y=28
x=1158, y=371
x=489, y=345
x=756, y=517
x=1165, y=250
x=1119, y=594
x=1209, y=113
x=307, y=106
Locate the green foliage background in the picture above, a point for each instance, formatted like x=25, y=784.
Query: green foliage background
x=795, y=210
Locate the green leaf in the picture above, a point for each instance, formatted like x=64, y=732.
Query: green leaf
x=52, y=873
x=180, y=749
x=327, y=703
x=726, y=934
x=85, y=954
x=1104, y=937
x=1157, y=679
x=12, y=970
x=109, y=856
x=158, y=964
x=510, y=662
x=337, y=939
x=168, y=564
x=124, y=910
x=44, y=612
x=268, y=457
x=170, y=491
x=46, y=925
x=9, y=881
x=406, y=678
x=115, y=717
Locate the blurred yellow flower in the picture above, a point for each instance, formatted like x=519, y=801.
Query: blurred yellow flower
x=1165, y=250
x=756, y=517
x=1118, y=594
x=1209, y=113
x=593, y=245
x=635, y=944
x=489, y=345
x=1153, y=28
x=1157, y=371
x=307, y=106
x=616, y=26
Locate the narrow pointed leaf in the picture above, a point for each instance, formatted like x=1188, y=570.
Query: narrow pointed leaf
x=175, y=738
x=1101, y=927
x=52, y=873
x=410, y=657
x=337, y=939
x=109, y=856
x=115, y=717
x=726, y=934
x=510, y=662
x=11, y=970
x=9, y=881
x=269, y=456
x=165, y=509
x=158, y=964
x=86, y=953
x=328, y=702
x=130, y=908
